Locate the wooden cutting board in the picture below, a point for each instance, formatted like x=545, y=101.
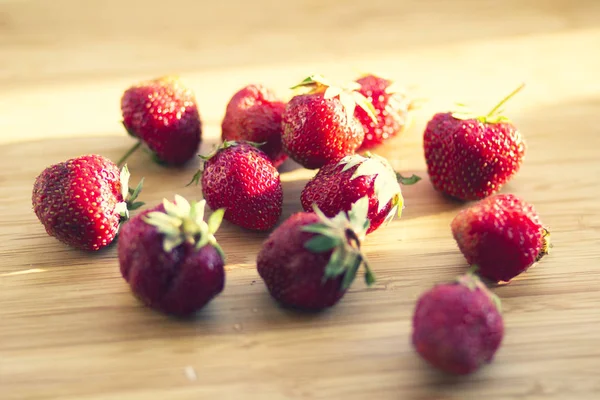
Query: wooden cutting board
x=70, y=328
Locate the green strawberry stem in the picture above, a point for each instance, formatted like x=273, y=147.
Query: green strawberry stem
x=411, y=180
x=473, y=269
x=504, y=100
x=129, y=152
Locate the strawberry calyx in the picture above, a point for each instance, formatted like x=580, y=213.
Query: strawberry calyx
x=493, y=117
x=183, y=221
x=347, y=94
x=129, y=195
x=473, y=282
x=546, y=245
x=225, y=145
x=342, y=235
x=385, y=186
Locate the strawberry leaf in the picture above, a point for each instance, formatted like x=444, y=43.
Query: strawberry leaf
x=124, y=176
x=321, y=243
x=349, y=104
x=332, y=91
x=411, y=180
x=351, y=161
x=321, y=229
x=215, y=219
x=366, y=105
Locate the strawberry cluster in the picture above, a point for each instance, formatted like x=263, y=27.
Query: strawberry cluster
x=169, y=254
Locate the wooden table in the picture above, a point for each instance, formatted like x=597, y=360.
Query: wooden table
x=70, y=329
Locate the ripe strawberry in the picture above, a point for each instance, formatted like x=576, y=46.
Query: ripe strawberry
x=319, y=127
x=339, y=185
x=471, y=157
x=310, y=261
x=458, y=327
x=392, y=109
x=162, y=113
x=502, y=235
x=254, y=115
x=241, y=178
x=170, y=257
x=82, y=201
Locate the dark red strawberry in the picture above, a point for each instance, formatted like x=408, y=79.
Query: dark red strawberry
x=241, y=178
x=82, y=201
x=470, y=157
x=170, y=257
x=339, y=185
x=254, y=115
x=392, y=108
x=310, y=261
x=458, y=327
x=162, y=114
x=502, y=235
x=319, y=127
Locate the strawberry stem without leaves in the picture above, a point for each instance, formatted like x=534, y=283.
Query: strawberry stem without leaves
x=129, y=152
x=504, y=100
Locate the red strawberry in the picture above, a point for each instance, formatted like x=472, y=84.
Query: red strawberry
x=170, y=257
x=163, y=114
x=471, y=157
x=82, y=201
x=339, y=185
x=392, y=108
x=319, y=127
x=309, y=261
x=502, y=235
x=241, y=178
x=254, y=115
x=458, y=327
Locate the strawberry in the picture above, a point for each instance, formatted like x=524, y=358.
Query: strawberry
x=162, y=113
x=82, y=201
x=170, y=257
x=254, y=115
x=502, y=235
x=458, y=326
x=310, y=261
x=241, y=178
x=339, y=185
x=319, y=127
x=392, y=109
x=471, y=157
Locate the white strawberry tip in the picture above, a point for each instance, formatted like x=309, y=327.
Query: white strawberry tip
x=346, y=93
x=386, y=187
x=183, y=222
x=129, y=195
x=342, y=235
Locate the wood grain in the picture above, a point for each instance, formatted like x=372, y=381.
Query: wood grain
x=70, y=327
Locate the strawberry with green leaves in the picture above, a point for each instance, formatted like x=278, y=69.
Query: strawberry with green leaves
x=337, y=186
x=162, y=114
x=470, y=157
x=170, y=257
x=240, y=178
x=319, y=126
x=82, y=201
x=310, y=261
